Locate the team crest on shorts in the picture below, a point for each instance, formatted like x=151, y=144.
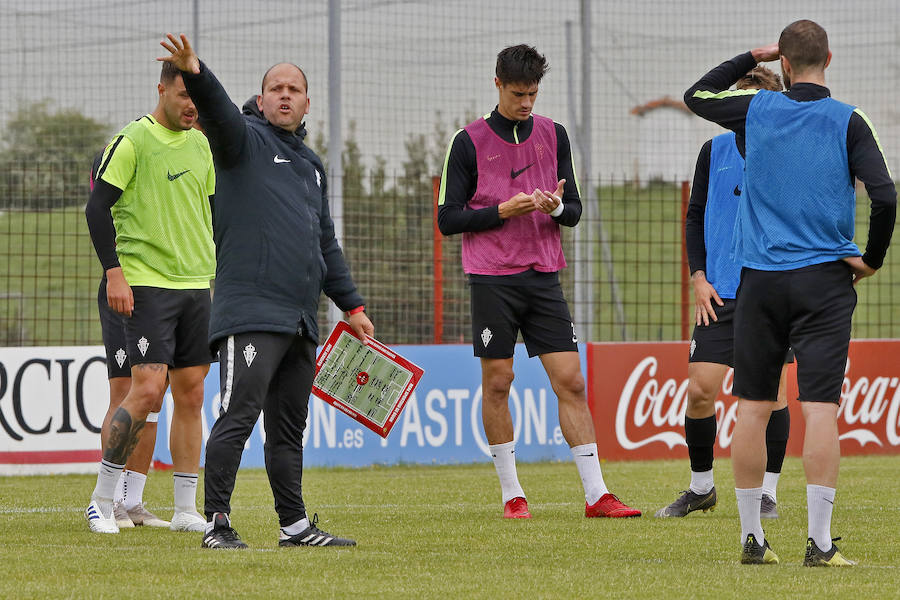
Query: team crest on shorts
x=486, y=336
x=142, y=345
x=120, y=357
x=249, y=353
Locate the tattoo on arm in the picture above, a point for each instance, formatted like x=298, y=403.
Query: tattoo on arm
x=124, y=434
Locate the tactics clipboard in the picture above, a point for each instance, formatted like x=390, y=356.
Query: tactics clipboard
x=370, y=383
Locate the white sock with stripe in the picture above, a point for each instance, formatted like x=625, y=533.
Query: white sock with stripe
x=504, y=456
x=119, y=495
x=185, y=489
x=107, y=477
x=133, y=488
x=589, y=469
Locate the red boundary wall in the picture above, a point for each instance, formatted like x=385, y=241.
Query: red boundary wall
x=638, y=393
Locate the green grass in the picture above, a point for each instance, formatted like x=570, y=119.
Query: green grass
x=436, y=532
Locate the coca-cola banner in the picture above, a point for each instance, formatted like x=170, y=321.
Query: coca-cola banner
x=638, y=396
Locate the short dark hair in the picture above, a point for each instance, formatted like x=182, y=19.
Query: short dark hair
x=521, y=64
x=805, y=45
x=168, y=73
x=263, y=84
x=761, y=78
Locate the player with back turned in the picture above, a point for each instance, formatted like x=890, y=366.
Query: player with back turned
x=508, y=184
x=715, y=275
x=794, y=238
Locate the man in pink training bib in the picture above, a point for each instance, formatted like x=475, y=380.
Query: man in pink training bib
x=507, y=186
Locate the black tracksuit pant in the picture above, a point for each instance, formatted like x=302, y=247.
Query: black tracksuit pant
x=266, y=371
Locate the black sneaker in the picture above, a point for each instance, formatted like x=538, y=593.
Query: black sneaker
x=816, y=558
x=754, y=554
x=768, y=508
x=689, y=502
x=313, y=536
x=222, y=536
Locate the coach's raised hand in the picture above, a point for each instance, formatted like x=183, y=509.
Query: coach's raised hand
x=183, y=55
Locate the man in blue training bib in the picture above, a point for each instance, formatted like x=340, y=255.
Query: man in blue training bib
x=794, y=238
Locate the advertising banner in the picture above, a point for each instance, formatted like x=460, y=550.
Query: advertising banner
x=638, y=396
x=52, y=403
x=53, y=400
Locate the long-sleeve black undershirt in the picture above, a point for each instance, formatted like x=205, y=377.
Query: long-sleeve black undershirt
x=864, y=156
x=695, y=219
x=100, y=222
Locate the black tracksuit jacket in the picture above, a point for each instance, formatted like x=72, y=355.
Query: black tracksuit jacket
x=275, y=245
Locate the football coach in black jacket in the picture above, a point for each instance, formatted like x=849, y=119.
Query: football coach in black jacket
x=276, y=252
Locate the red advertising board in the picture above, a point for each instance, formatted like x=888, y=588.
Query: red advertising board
x=638, y=394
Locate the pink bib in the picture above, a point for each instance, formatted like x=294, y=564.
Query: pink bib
x=526, y=242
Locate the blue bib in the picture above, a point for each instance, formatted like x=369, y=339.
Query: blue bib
x=726, y=178
x=798, y=201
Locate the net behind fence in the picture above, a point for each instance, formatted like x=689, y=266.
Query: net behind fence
x=72, y=74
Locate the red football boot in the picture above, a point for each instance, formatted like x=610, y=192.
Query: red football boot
x=609, y=506
x=517, y=508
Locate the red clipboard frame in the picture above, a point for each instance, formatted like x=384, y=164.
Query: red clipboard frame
x=385, y=352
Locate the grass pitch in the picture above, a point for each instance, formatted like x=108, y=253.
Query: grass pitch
x=436, y=532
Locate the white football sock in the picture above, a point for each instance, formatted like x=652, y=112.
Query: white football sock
x=504, y=456
x=133, y=487
x=819, y=505
x=119, y=495
x=748, y=501
x=107, y=476
x=588, y=464
x=770, y=484
x=185, y=492
x=297, y=527
x=702, y=482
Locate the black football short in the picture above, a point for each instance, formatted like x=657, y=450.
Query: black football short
x=500, y=312
x=714, y=343
x=808, y=309
x=169, y=327
x=112, y=328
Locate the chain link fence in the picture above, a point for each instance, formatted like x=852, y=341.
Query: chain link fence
x=411, y=73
